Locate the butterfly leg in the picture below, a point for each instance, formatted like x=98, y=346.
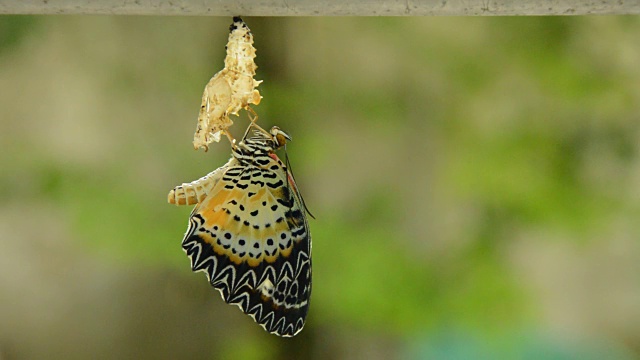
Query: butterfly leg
x=253, y=116
x=232, y=141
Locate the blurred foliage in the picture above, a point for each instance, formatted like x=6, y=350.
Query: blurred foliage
x=13, y=29
x=460, y=345
x=427, y=148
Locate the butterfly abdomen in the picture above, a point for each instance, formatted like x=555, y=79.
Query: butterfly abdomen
x=196, y=191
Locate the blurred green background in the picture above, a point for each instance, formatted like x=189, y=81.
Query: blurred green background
x=476, y=184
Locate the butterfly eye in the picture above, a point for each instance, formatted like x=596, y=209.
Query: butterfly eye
x=280, y=136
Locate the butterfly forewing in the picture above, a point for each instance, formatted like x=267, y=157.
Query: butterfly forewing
x=250, y=236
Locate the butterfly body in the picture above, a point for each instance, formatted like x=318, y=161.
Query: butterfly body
x=249, y=234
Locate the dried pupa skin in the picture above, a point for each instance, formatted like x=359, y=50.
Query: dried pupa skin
x=231, y=89
x=213, y=117
x=241, y=67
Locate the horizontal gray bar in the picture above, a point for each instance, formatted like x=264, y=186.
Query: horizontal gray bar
x=320, y=8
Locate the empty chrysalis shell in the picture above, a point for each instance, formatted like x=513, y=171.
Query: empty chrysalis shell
x=231, y=89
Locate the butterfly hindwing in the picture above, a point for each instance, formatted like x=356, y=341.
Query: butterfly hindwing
x=250, y=236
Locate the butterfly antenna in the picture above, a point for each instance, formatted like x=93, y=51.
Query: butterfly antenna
x=286, y=159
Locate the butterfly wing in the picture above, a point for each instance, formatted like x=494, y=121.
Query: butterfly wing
x=251, y=237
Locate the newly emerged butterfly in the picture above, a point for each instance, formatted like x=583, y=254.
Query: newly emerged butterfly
x=231, y=89
x=249, y=233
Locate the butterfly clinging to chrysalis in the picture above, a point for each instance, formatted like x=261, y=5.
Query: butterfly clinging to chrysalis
x=249, y=234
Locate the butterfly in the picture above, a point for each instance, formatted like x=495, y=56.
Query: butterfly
x=249, y=233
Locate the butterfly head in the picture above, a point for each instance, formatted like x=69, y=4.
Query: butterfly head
x=280, y=137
